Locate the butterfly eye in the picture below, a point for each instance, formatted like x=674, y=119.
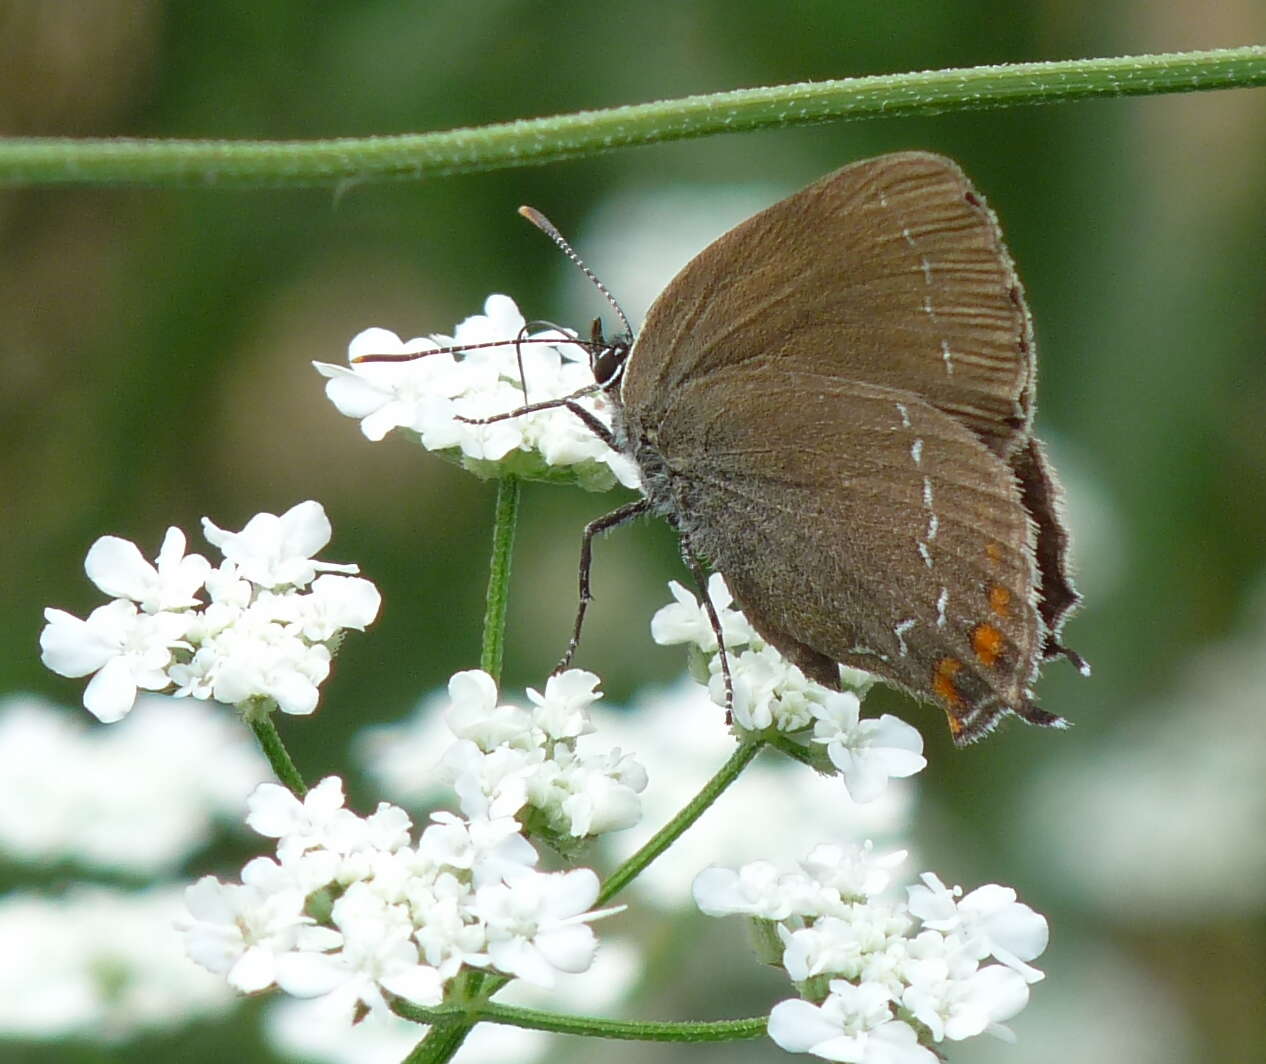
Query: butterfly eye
x=608, y=362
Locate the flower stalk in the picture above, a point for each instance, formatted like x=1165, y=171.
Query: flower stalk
x=505, y=518
x=261, y=723
x=591, y=1026
x=675, y=828
x=332, y=162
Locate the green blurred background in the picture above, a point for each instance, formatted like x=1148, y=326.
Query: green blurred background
x=155, y=349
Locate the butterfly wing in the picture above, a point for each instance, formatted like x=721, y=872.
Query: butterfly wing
x=884, y=286
x=860, y=524
x=892, y=269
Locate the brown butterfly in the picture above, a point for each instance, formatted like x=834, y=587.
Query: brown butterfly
x=833, y=405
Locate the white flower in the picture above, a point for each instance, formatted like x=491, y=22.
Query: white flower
x=582, y=796
x=250, y=642
x=240, y=931
x=229, y=590
x=125, y=648
x=867, y=752
x=491, y=850
x=490, y=785
x=377, y=953
x=388, y=395
x=832, y=925
x=989, y=920
x=447, y=932
x=536, y=924
x=854, y=1024
x=758, y=889
x=686, y=620
x=99, y=966
x=318, y=820
x=274, y=551
x=830, y=945
x=335, y=603
x=258, y=658
x=475, y=715
x=563, y=711
x=116, y=566
x=769, y=691
x=153, y=785
x=956, y=1000
x=606, y=794
x=855, y=873
x=492, y=441
x=429, y=394
x=760, y=688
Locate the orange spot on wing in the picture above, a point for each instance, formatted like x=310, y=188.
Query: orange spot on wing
x=988, y=642
x=993, y=551
x=943, y=682
x=1000, y=600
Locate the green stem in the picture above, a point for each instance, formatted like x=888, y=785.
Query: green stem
x=449, y=1029
x=440, y=1042
x=452, y=1023
x=675, y=828
x=261, y=721
x=591, y=1026
x=787, y=745
x=37, y=160
x=505, y=518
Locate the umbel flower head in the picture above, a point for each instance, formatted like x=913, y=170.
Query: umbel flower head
x=409, y=916
x=882, y=979
x=509, y=761
x=267, y=630
x=430, y=395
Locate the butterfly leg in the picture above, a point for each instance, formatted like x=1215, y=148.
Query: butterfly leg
x=701, y=582
x=569, y=402
x=602, y=524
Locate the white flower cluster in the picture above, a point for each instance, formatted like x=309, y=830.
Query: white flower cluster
x=772, y=693
x=267, y=631
x=138, y=798
x=403, y=919
x=427, y=395
x=97, y=964
x=883, y=979
x=509, y=761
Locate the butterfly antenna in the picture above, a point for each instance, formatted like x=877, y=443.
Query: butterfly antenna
x=547, y=227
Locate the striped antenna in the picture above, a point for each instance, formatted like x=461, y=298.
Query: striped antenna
x=548, y=228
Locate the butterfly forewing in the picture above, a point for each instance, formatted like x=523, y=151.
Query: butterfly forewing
x=890, y=271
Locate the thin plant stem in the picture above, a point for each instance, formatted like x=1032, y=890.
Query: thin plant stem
x=675, y=828
x=505, y=518
x=590, y=1026
x=440, y=1043
x=449, y=1031
x=354, y=160
x=261, y=721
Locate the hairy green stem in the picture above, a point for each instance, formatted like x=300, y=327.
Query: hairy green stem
x=35, y=160
x=505, y=518
x=450, y=1028
x=590, y=1026
x=261, y=722
x=675, y=828
x=440, y=1043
